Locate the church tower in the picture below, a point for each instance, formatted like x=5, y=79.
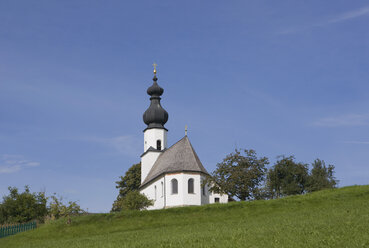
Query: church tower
x=155, y=134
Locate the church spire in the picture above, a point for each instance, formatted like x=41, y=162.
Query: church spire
x=155, y=116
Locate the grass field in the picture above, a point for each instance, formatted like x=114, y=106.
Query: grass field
x=330, y=218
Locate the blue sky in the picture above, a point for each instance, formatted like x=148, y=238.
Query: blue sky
x=280, y=77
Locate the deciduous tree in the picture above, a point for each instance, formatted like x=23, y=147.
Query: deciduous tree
x=287, y=177
x=133, y=200
x=23, y=207
x=131, y=181
x=58, y=209
x=239, y=174
x=321, y=176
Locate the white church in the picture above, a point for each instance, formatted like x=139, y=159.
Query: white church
x=171, y=177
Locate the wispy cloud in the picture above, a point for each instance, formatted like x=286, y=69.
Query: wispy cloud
x=349, y=15
x=357, y=142
x=123, y=144
x=14, y=163
x=343, y=120
x=126, y=144
x=336, y=19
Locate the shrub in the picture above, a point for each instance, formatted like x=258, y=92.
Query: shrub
x=133, y=201
x=23, y=207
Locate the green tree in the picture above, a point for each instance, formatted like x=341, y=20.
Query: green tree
x=23, y=207
x=262, y=192
x=58, y=209
x=321, y=176
x=287, y=177
x=131, y=181
x=133, y=200
x=239, y=175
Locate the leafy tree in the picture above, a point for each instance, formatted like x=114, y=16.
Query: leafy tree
x=321, y=176
x=23, y=207
x=262, y=192
x=239, y=175
x=57, y=209
x=287, y=177
x=133, y=200
x=130, y=182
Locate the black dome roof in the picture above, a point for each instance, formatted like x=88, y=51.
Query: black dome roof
x=155, y=116
x=155, y=89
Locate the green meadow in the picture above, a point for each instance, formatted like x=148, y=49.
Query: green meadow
x=329, y=218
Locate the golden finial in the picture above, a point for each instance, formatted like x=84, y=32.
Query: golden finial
x=154, y=67
x=186, y=130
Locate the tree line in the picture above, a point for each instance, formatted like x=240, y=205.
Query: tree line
x=242, y=175
x=22, y=207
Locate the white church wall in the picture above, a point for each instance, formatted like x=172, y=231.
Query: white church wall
x=155, y=192
x=160, y=191
x=191, y=198
x=147, y=161
x=204, y=194
x=172, y=199
x=223, y=198
x=183, y=198
x=152, y=135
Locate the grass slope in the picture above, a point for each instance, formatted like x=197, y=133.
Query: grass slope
x=330, y=218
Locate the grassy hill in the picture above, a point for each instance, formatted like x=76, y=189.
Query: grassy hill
x=330, y=218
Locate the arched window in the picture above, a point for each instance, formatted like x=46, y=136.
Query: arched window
x=158, y=144
x=155, y=192
x=190, y=186
x=162, y=189
x=174, y=186
x=203, y=190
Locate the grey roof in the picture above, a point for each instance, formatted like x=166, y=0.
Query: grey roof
x=151, y=149
x=180, y=157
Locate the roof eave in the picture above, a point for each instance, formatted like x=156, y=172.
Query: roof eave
x=152, y=149
x=144, y=184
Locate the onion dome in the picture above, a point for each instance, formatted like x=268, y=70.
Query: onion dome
x=155, y=89
x=155, y=116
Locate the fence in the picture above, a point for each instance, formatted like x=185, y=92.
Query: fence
x=14, y=229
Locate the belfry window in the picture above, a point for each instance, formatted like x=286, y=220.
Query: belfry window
x=190, y=186
x=158, y=144
x=174, y=186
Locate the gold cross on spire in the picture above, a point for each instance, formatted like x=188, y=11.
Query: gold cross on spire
x=154, y=67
